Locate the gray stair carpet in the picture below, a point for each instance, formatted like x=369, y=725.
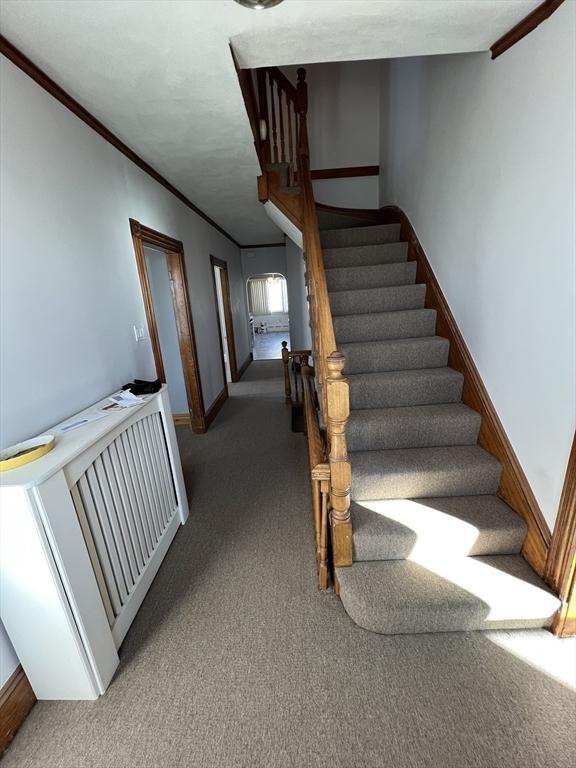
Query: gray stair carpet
x=434, y=547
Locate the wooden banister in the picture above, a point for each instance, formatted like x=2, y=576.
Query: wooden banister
x=284, y=108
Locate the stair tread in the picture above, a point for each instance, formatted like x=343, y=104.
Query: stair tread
x=365, y=255
x=380, y=326
x=424, y=472
x=420, y=386
x=413, y=426
x=446, y=594
x=371, y=276
x=392, y=529
x=371, y=234
x=395, y=354
x=383, y=299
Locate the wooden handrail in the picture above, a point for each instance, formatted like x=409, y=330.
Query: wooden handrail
x=279, y=104
x=335, y=395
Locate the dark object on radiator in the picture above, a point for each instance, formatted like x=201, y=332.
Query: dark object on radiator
x=140, y=387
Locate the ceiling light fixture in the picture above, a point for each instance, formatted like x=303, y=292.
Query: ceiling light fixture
x=258, y=5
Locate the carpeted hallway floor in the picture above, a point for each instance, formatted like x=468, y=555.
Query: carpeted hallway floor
x=235, y=659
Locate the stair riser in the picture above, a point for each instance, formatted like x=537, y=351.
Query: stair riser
x=439, y=619
x=459, y=526
x=424, y=432
x=365, y=255
x=409, y=324
x=400, y=546
x=399, y=392
x=430, y=353
x=389, y=299
x=341, y=238
x=381, y=276
x=420, y=482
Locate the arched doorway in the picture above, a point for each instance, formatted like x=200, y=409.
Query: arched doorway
x=269, y=314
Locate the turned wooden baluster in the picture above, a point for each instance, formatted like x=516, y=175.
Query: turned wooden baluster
x=273, y=138
x=290, y=111
x=265, y=149
x=338, y=411
x=295, y=374
x=286, y=361
x=282, y=125
x=323, y=544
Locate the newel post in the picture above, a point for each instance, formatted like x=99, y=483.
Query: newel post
x=338, y=411
x=286, y=361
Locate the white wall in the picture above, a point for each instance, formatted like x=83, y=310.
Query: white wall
x=480, y=154
x=259, y=261
x=343, y=127
x=300, y=337
x=159, y=280
x=69, y=287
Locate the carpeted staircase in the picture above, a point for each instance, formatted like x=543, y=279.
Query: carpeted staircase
x=435, y=549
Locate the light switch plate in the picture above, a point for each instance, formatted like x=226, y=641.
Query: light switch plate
x=139, y=332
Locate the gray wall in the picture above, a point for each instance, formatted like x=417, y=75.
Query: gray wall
x=343, y=127
x=480, y=154
x=167, y=331
x=259, y=261
x=69, y=289
x=300, y=337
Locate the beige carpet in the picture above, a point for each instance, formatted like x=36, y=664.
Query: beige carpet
x=235, y=659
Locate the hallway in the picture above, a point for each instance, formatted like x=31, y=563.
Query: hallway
x=236, y=659
x=268, y=346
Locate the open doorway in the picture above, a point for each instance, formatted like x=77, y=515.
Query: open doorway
x=269, y=314
x=225, y=324
x=162, y=273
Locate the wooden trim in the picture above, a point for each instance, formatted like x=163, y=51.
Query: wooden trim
x=154, y=238
x=386, y=215
x=16, y=700
x=49, y=85
x=514, y=487
x=182, y=419
x=263, y=245
x=174, y=253
x=147, y=297
x=230, y=343
x=246, y=84
x=561, y=563
x=216, y=406
x=352, y=172
x=244, y=366
x=524, y=27
x=187, y=340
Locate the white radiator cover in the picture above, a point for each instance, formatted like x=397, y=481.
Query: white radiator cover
x=83, y=531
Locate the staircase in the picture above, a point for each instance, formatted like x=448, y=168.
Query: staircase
x=434, y=548
x=419, y=540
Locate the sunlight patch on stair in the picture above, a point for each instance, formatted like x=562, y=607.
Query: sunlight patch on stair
x=505, y=596
x=435, y=531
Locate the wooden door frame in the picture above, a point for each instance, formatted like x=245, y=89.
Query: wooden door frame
x=174, y=252
x=561, y=560
x=225, y=284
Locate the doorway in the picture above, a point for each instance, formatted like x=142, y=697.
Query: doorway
x=267, y=296
x=225, y=323
x=162, y=273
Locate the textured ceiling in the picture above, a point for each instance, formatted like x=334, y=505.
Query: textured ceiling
x=159, y=73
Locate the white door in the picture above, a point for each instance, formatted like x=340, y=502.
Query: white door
x=222, y=321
